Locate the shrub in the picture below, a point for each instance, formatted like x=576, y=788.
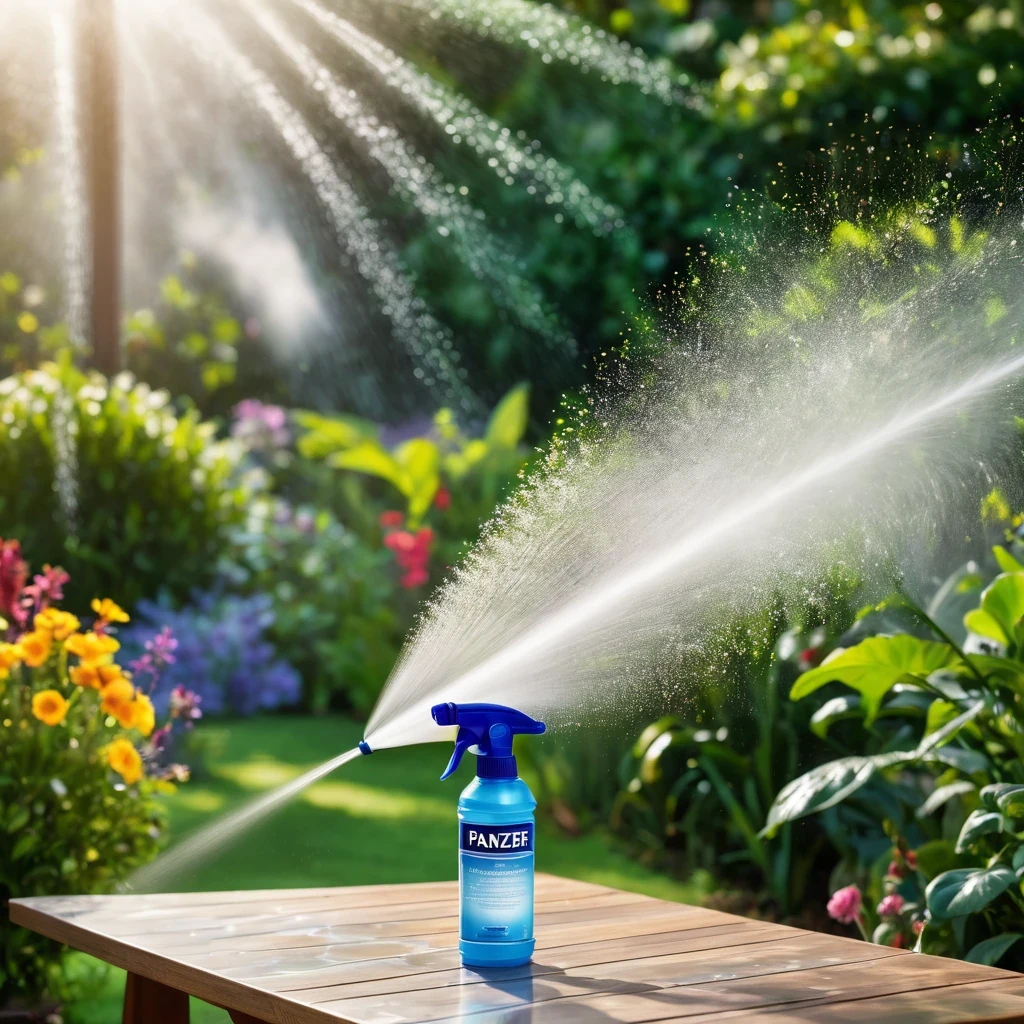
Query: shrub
x=338, y=615
x=129, y=495
x=223, y=653
x=445, y=475
x=196, y=343
x=695, y=789
x=936, y=786
x=80, y=763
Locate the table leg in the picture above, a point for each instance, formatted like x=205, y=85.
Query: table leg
x=150, y=1002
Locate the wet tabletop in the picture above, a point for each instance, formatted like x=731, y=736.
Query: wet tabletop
x=387, y=954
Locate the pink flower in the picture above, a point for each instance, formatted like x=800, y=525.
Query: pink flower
x=891, y=905
x=917, y=927
x=443, y=498
x=895, y=869
x=391, y=520
x=845, y=905
x=13, y=574
x=45, y=589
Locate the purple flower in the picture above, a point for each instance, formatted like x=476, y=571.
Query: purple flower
x=162, y=647
x=214, y=653
x=260, y=427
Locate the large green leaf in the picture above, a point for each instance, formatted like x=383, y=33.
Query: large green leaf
x=326, y=435
x=944, y=734
x=420, y=460
x=507, y=424
x=966, y=890
x=1002, y=796
x=875, y=665
x=941, y=796
x=1006, y=561
x=979, y=823
x=990, y=951
x=848, y=705
x=818, y=789
x=369, y=457
x=1001, y=610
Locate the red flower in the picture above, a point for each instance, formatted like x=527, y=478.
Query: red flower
x=443, y=498
x=809, y=657
x=898, y=941
x=391, y=520
x=911, y=859
x=895, y=869
x=412, y=553
x=401, y=542
x=414, y=578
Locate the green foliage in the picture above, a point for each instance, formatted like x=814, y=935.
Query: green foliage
x=195, y=343
x=949, y=775
x=873, y=667
x=419, y=467
x=338, y=617
x=695, y=793
x=154, y=494
x=446, y=478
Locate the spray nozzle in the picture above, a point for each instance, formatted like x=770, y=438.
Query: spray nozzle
x=489, y=728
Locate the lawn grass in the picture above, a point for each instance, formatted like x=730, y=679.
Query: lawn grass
x=380, y=819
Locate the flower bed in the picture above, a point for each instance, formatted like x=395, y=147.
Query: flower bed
x=81, y=759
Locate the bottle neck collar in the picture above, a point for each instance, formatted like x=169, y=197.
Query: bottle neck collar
x=490, y=767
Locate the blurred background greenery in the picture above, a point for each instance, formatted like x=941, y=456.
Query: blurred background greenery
x=288, y=530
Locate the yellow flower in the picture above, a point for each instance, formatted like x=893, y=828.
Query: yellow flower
x=93, y=648
x=49, y=707
x=119, y=700
x=95, y=675
x=144, y=718
x=59, y=624
x=125, y=760
x=35, y=648
x=108, y=610
x=10, y=655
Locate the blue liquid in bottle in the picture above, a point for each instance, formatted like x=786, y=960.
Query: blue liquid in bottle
x=496, y=837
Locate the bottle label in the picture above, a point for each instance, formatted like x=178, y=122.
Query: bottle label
x=496, y=881
x=496, y=840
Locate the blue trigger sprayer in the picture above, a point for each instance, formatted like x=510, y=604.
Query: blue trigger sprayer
x=496, y=827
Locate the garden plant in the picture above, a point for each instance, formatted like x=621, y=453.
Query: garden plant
x=936, y=785
x=83, y=762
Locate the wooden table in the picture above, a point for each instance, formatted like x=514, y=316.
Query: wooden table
x=387, y=955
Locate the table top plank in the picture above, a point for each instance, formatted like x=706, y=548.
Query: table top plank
x=986, y=1002
x=803, y=991
x=647, y=919
x=653, y=977
x=399, y=973
x=388, y=955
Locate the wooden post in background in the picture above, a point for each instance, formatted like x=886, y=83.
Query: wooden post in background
x=102, y=124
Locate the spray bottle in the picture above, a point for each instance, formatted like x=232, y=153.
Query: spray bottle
x=496, y=826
